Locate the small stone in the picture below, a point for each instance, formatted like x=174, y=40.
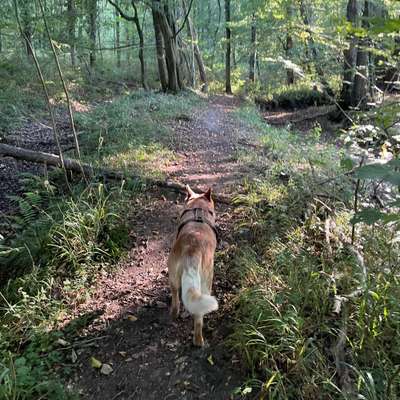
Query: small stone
x=106, y=369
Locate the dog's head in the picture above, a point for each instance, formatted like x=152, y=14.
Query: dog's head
x=200, y=200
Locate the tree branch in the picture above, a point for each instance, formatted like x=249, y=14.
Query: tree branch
x=184, y=21
x=76, y=166
x=121, y=13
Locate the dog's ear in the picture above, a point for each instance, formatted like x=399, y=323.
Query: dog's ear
x=189, y=193
x=207, y=194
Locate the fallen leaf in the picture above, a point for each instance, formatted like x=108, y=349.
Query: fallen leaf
x=132, y=318
x=74, y=356
x=106, y=369
x=95, y=363
x=210, y=359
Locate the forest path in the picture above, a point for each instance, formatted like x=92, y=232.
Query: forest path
x=151, y=356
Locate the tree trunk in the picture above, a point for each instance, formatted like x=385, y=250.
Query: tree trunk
x=349, y=55
x=164, y=23
x=359, y=96
x=26, y=22
x=197, y=54
x=228, y=87
x=314, y=53
x=92, y=11
x=136, y=21
x=215, y=41
x=141, y=47
x=253, y=38
x=170, y=53
x=118, y=38
x=162, y=65
x=289, y=46
x=71, y=29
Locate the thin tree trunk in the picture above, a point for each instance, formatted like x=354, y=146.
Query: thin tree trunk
x=311, y=43
x=100, y=47
x=26, y=23
x=92, y=31
x=197, y=54
x=127, y=39
x=349, y=55
x=71, y=29
x=141, y=47
x=289, y=46
x=45, y=91
x=253, y=38
x=360, y=87
x=71, y=117
x=228, y=87
x=214, y=42
x=136, y=21
x=118, y=38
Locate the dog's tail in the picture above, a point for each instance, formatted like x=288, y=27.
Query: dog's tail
x=196, y=302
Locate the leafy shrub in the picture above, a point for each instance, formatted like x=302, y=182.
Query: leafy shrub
x=292, y=97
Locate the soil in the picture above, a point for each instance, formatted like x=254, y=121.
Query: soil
x=151, y=356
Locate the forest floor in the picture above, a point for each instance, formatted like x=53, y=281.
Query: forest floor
x=125, y=322
x=151, y=356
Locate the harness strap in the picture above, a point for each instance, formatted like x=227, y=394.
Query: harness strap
x=198, y=217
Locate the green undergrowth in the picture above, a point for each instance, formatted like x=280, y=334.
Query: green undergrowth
x=133, y=132
x=51, y=254
x=299, y=95
x=18, y=95
x=312, y=321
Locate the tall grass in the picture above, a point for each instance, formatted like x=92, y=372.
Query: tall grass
x=59, y=245
x=286, y=330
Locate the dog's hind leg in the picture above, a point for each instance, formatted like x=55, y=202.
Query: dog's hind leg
x=175, y=305
x=198, y=331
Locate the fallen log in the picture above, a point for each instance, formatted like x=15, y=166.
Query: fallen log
x=73, y=165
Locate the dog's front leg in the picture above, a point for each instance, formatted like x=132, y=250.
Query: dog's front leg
x=198, y=331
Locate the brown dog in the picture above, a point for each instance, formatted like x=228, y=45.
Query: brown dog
x=191, y=262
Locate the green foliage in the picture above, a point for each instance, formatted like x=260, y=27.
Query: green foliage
x=58, y=244
x=25, y=379
x=286, y=330
x=19, y=94
x=301, y=95
x=85, y=234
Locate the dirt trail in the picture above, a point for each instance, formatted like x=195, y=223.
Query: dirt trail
x=152, y=357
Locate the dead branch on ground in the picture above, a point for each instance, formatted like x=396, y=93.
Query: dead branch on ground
x=76, y=166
